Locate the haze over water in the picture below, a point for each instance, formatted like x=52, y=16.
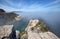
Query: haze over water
x=52, y=19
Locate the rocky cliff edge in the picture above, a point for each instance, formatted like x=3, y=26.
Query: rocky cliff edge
x=37, y=29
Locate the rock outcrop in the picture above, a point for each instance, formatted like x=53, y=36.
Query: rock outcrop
x=7, y=30
x=17, y=34
x=1, y=10
x=37, y=30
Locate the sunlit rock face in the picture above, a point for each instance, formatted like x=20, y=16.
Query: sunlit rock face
x=37, y=29
x=17, y=34
x=32, y=23
x=6, y=24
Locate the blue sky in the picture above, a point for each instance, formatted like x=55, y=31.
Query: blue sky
x=30, y=5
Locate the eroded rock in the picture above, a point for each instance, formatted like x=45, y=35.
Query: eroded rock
x=38, y=30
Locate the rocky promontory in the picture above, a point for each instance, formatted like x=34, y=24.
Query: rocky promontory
x=37, y=29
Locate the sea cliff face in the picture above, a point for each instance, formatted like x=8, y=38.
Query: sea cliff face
x=37, y=30
x=7, y=30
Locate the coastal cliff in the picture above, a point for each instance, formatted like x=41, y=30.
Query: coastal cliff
x=37, y=29
x=7, y=30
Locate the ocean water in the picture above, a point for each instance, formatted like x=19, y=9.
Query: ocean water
x=52, y=19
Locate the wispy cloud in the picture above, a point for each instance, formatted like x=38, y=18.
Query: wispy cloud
x=52, y=3
x=20, y=6
x=8, y=9
x=53, y=6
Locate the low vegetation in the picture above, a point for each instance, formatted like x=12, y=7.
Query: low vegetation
x=23, y=32
x=40, y=27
